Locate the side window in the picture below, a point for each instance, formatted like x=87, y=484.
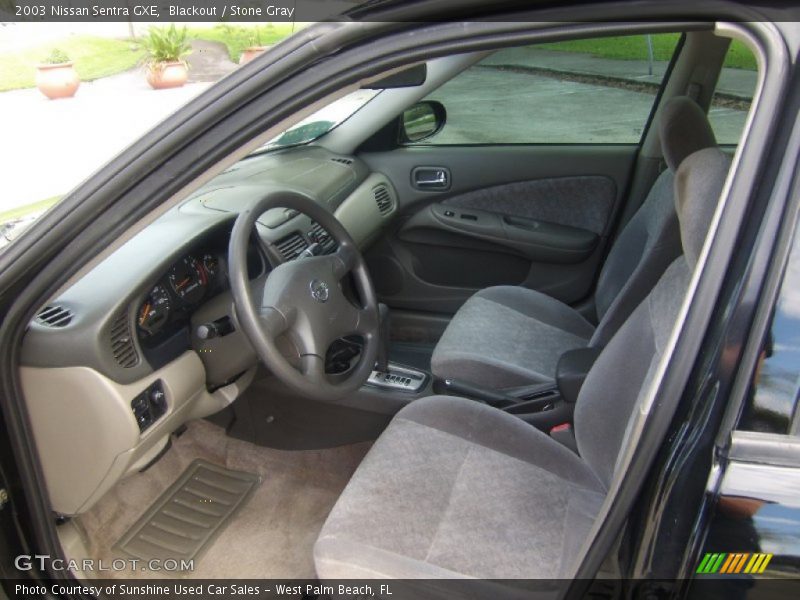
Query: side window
x=593, y=91
x=733, y=94
x=773, y=403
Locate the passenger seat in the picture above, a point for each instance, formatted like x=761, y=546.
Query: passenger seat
x=510, y=336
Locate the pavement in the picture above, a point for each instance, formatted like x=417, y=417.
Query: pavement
x=735, y=83
x=568, y=99
x=209, y=62
x=50, y=146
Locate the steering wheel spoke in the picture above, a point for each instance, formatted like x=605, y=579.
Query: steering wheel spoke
x=345, y=259
x=273, y=322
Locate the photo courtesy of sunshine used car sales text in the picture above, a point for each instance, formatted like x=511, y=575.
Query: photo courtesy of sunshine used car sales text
x=208, y=589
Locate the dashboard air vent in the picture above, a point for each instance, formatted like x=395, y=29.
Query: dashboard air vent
x=383, y=198
x=291, y=246
x=344, y=161
x=54, y=316
x=322, y=237
x=122, y=346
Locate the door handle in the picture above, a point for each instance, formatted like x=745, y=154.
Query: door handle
x=430, y=178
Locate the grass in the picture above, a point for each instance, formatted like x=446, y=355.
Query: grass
x=94, y=57
x=21, y=211
x=237, y=38
x=635, y=48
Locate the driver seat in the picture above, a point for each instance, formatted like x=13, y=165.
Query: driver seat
x=458, y=489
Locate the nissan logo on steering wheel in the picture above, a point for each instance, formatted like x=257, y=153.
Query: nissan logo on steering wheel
x=319, y=290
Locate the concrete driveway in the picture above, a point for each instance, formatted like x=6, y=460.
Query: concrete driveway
x=49, y=146
x=492, y=105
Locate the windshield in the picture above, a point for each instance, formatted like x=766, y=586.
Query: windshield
x=14, y=222
x=322, y=121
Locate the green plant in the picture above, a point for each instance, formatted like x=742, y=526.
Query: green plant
x=237, y=38
x=165, y=45
x=254, y=39
x=56, y=57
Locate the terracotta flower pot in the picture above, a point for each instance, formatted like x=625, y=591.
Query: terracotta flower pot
x=167, y=75
x=57, y=81
x=250, y=53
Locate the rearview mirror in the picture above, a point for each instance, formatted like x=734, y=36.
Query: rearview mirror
x=421, y=121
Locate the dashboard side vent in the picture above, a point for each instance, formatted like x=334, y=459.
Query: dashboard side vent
x=122, y=346
x=344, y=161
x=54, y=316
x=383, y=198
x=291, y=246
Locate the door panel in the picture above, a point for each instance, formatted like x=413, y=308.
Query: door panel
x=536, y=216
x=577, y=201
x=536, y=240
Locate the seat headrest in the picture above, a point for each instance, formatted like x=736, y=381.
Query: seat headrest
x=684, y=130
x=698, y=186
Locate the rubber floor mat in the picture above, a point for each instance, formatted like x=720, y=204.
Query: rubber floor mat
x=188, y=515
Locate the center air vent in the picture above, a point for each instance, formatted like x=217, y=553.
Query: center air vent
x=122, y=346
x=291, y=246
x=383, y=198
x=318, y=235
x=54, y=316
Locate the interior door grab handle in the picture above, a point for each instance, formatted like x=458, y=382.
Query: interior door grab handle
x=431, y=178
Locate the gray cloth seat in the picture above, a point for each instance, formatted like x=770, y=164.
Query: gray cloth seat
x=510, y=336
x=458, y=489
x=445, y=462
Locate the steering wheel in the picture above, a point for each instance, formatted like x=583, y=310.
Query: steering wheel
x=304, y=300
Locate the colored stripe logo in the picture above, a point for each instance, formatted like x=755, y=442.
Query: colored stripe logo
x=733, y=563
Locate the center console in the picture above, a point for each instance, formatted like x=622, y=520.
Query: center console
x=398, y=378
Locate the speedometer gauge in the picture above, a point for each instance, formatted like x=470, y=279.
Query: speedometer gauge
x=188, y=280
x=154, y=312
x=211, y=265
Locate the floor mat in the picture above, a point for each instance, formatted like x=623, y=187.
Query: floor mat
x=189, y=514
x=273, y=533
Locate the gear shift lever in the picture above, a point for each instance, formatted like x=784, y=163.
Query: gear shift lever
x=382, y=360
x=392, y=377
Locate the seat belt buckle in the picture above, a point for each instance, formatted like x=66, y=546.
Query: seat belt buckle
x=565, y=435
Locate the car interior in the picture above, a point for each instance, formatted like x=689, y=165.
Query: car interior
x=396, y=341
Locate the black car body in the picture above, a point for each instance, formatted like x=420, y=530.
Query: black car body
x=714, y=488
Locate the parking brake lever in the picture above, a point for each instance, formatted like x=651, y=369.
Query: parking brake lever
x=453, y=387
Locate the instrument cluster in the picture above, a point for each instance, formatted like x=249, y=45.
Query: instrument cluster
x=170, y=302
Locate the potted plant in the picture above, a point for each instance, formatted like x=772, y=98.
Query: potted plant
x=255, y=46
x=166, y=50
x=56, y=77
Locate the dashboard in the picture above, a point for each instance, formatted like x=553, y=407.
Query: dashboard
x=117, y=361
x=138, y=309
